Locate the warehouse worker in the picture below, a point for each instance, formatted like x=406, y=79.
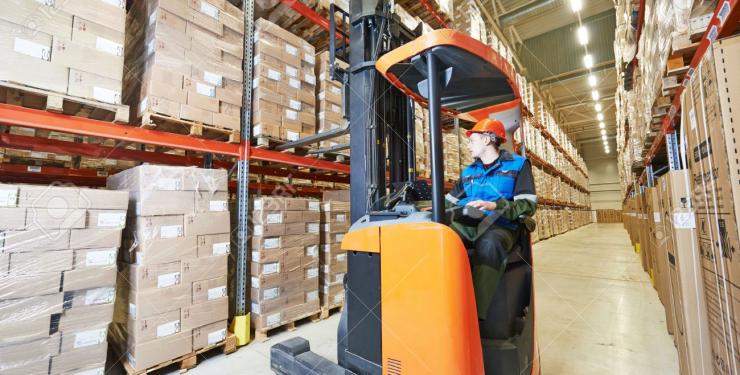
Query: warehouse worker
x=496, y=181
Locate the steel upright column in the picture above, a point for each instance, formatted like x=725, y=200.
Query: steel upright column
x=435, y=132
x=241, y=322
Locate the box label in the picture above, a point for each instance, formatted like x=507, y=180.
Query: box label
x=272, y=243
x=340, y=237
x=339, y=298
x=143, y=105
x=309, y=58
x=312, y=272
x=217, y=206
x=100, y=296
x=108, y=46
x=294, y=83
x=309, y=78
x=312, y=295
x=274, y=218
x=271, y=293
x=692, y=119
x=116, y=3
x=312, y=251
x=94, y=371
x=168, y=279
x=132, y=310
x=271, y=268
x=291, y=71
x=39, y=155
x=256, y=308
x=258, y=230
x=314, y=205
x=90, y=338
x=656, y=217
x=32, y=49
x=217, y=336
x=338, y=278
x=169, y=328
x=256, y=256
x=336, y=109
x=684, y=220
x=213, y=78
x=292, y=136
x=170, y=231
x=100, y=258
x=291, y=115
x=217, y=292
x=291, y=50
x=273, y=319
x=341, y=218
x=206, y=90
x=341, y=257
x=255, y=282
x=112, y=219
x=313, y=227
x=8, y=198
x=336, y=90
x=221, y=248
x=273, y=75
x=169, y=184
x=295, y=104
x=209, y=10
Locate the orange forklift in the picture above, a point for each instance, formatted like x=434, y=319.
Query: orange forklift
x=410, y=306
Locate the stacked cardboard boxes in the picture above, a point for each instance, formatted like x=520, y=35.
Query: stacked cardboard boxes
x=709, y=106
x=284, y=260
x=451, y=150
x=335, y=222
x=330, y=97
x=184, y=61
x=284, y=84
x=72, y=47
x=470, y=21
x=421, y=138
x=58, y=247
x=172, y=285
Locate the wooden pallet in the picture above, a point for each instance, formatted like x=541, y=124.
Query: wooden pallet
x=267, y=142
x=17, y=94
x=326, y=311
x=187, y=361
x=160, y=122
x=263, y=335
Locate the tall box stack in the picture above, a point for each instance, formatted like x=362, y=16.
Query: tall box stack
x=284, y=260
x=711, y=104
x=184, y=61
x=451, y=149
x=284, y=84
x=58, y=248
x=329, y=94
x=421, y=145
x=72, y=47
x=470, y=21
x=335, y=222
x=172, y=296
x=465, y=158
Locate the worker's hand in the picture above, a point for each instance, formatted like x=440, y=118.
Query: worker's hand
x=482, y=205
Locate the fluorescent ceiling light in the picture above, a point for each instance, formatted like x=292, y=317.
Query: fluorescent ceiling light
x=595, y=95
x=588, y=61
x=600, y=116
x=592, y=80
x=602, y=125
x=582, y=33
x=576, y=5
x=597, y=107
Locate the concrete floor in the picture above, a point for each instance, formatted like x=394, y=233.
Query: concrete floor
x=596, y=313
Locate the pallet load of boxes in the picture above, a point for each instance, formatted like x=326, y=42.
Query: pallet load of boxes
x=335, y=222
x=57, y=277
x=686, y=227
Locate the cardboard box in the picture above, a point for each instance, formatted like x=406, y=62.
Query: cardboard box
x=142, y=355
x=148, y=252
x=34, y=240
x=209, y=290
x=203, y=268
x=156, y=326
x=211, y=201
x=103, y=295
x=207, y=223
x=147, y=228
x=198, y=315
x=208, y=335
x=153, y=276
x=12, y=218
x=94, y=238
x=214, y=244
x=145, y=303
x=38, y=263
x=88, y=357
x=21, y=286
x=17, y=358
x=151, y=203
x=81, y=318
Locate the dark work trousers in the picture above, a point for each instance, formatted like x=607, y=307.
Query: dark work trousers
x=494, y=245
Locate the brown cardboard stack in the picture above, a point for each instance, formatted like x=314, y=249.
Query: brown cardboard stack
x=451, y=149
x=172, y=284
x=329, y=95
x=335, y=222
x=184, y=61
x=710, y=105
x=58, y=247
x=72, y=47
x=421, y=139
x=284, y=260
x=470, y=20
x=284, y=84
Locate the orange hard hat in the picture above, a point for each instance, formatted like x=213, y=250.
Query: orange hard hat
x=488, y=125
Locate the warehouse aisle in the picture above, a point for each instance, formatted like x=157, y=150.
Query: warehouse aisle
x=596, y=309
x=596, y=313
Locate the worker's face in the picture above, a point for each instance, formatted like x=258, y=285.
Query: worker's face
x=477, y=144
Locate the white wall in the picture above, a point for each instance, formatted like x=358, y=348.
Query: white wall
x=603, y=176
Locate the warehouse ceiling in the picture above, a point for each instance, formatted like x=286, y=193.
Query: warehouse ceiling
x=543, y=33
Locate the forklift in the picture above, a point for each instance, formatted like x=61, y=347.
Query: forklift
x=410, y=306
